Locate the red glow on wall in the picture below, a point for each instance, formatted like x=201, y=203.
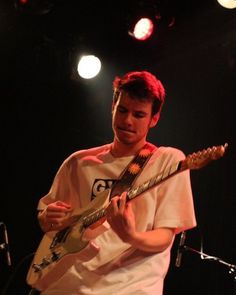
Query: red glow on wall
x=23, y=2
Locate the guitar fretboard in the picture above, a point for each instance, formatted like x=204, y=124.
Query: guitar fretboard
x=131, y=194
x=94, y=217
x=157, y=179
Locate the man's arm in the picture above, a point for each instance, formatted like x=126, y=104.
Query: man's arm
x=153, y=241
x=121, y=219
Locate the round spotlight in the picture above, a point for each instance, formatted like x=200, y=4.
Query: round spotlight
x=143, y=29
x=88, y=66
x=230, y=4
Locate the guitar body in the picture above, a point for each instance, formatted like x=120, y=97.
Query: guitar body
x=58, y=250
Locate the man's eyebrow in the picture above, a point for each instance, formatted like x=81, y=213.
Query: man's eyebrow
x=121, y=107
x=140, y=112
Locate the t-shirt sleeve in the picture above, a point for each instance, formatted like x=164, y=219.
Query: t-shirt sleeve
x=175, y=206
x=64, y=187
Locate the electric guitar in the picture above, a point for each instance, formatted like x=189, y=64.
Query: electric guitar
x=58, y=250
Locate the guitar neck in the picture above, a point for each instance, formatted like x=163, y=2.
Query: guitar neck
x=156, y=180
x=94, y=217
x=133, y=193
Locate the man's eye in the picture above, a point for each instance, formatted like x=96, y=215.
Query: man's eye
x=139, y=115
x=121, y=110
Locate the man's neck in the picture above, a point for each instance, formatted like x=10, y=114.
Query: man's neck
x=119, y=149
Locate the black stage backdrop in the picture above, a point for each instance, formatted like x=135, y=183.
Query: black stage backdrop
x=47, y=112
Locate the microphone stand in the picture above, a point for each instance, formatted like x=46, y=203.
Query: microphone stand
x=231, y=267
x=5, y=246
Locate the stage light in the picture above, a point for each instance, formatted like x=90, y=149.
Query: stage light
x=230, y=4
x=143, y=19
x=88, y=66
x=143, y=29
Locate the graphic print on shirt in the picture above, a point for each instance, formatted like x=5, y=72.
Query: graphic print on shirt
x=100, y=185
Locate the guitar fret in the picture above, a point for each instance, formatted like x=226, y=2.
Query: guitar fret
x=174, y=168
x=152, y=181
x=158, y=178
x=132, y=193
x=145, y=185
x=93, y=217
x=139, y=190
x=166, y=173
x=101, y=214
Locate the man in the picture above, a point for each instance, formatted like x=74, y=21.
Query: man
x=134, y=245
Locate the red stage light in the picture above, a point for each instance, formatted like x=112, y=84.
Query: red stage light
x=143, y=29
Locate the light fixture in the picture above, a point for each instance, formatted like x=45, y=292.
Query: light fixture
x=142, y=29
x=143, y=19
x=230, y=4
x=88, y=66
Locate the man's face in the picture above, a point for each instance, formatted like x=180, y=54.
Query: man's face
x=131, y=119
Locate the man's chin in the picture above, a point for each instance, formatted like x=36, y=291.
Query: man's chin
x=126, y=141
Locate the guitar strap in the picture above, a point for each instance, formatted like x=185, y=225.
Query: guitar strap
x=132, y=170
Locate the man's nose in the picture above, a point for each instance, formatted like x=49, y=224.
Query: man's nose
x=128, y=118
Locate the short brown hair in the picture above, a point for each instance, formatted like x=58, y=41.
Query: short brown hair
x=141, y=85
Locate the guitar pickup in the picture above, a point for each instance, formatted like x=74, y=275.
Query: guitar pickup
x=55, y=256
x=60, y=237
x=45, y=262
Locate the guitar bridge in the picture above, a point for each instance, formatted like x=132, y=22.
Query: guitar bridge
x=46, y=261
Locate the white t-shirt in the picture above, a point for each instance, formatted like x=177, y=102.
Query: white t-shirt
x=119, y=268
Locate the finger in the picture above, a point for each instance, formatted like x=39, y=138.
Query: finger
x=112, y=208
x=128, y=209
x=122, y=201
x=66, y=207
x=56, y=218
x=54, y=208
x=115, y=204
x=109, y=219
x=55, y=214
x=63, y=204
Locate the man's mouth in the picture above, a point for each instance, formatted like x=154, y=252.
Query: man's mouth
x=126, y=130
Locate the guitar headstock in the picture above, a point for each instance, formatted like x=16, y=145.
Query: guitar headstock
x=203, y=157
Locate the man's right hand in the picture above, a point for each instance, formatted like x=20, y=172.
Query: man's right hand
x=55, y=216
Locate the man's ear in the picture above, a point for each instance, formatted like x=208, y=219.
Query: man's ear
x=154, y=120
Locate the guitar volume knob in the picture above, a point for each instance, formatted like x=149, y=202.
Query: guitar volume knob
x=37, y=267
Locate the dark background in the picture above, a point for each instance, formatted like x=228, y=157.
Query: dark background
x=48, y=112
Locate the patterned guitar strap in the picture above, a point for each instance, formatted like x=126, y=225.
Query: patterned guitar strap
x=132, y=171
